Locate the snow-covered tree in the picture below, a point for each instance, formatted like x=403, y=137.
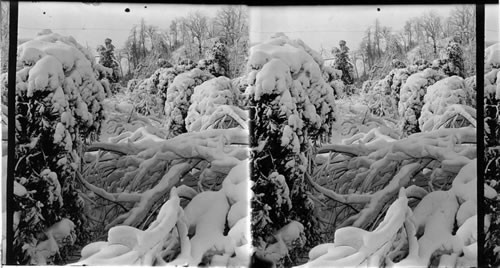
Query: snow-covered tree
x=452, y=62
x=291, y=110
x=432, y=25
x=216, y=60
x=58, y=111
x=343, y=63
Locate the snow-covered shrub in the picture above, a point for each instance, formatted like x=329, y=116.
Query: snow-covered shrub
x=411, y=98
x=492, y=57
x=444, y=100
x=178, y=99
x=291, y=110
x=149, y=95
x=420, y=64
x=104, y=75
x=397, y=64
x=240, y=84
x=132, y=84
x=146, y=96
x=382, y=98
x=333, y=77
x=58, y=111
x=213, y=101
x=367, y=86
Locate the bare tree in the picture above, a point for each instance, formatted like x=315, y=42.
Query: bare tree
x=174, y=34
x=431, y=23
x=417, y=24
x=233, y=23
x=408, y=33
x=153, y=35
x=142, y=38
x=197, y=24
x=367, y=45
x=386, y=35
x=132, y=47
x=463, y=22
x=212, y=29
x=377, y=36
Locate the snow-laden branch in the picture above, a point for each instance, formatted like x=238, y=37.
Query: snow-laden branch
x=357, y=247
x=148, y=152
x=427, y=230
x=196, y=230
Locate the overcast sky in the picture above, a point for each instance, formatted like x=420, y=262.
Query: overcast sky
x=325, y=26
x=318, y=26
x=91, y=24
x=491, y=29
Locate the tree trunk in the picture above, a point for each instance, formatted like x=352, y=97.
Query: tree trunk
x=199, y=48
x=435, y=46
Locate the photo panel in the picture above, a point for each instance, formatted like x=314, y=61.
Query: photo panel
x=4, y=56
x=491, y=135
x=248, y=136
x=363, y=135
x=131, y=137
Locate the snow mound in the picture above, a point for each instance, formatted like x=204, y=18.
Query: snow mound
x=213, y=99
x=439, y=97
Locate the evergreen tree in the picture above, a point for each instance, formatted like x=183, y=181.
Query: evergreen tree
x=342, y=62
x=217, y=59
